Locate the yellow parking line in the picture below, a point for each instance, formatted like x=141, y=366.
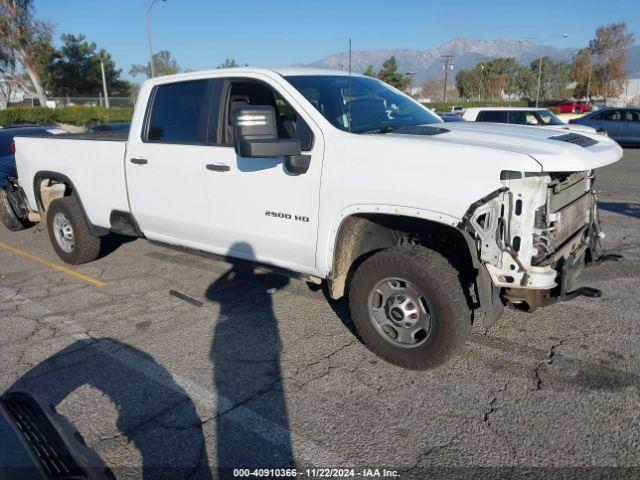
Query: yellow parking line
x=60, y=268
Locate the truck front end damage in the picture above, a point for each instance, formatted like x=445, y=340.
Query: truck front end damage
x=536, y=234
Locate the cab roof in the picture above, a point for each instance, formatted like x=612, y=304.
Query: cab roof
x=285, y=72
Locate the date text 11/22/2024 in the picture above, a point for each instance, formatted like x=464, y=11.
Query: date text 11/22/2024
x=316, y=473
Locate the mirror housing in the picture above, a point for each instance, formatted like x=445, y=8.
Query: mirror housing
x=256, y=133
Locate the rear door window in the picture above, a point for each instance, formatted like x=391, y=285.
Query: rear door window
x=181, y=112
x=495, y=116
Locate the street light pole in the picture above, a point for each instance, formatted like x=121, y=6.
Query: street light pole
x=153, y=68
x=447, y=63
x=539, y=73
x=542, y=42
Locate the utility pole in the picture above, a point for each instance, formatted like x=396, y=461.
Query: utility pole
x=153, y=68
x=104, y=85
x=539, y=74
x=541, y=45
x=589, y=77
x=447, y=64
x=410, y=75
x=481, y=77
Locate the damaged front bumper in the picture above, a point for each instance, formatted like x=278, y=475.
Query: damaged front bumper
x=535, y=236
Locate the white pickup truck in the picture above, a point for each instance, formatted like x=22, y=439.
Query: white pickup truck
x=341, y=179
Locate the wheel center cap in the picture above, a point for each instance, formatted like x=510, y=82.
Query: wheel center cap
x=397, y=314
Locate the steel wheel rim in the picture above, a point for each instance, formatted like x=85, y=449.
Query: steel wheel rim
x=63, y=231
x=400, y=313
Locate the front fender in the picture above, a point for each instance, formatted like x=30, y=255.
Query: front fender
x=325, y=262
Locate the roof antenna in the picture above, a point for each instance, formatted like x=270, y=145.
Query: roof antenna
x=349, y=114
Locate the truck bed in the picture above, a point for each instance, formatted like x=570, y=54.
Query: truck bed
x=93, y=163
x=119, y=136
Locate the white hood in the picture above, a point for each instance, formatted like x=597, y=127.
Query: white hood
x=537, y=142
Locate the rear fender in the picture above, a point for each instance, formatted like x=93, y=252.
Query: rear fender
x=70, y=189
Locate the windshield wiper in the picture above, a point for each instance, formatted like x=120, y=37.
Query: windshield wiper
x=385, y=129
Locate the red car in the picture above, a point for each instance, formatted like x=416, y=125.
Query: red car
x=571, y=106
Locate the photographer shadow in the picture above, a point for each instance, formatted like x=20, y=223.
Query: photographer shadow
x=153, y=412
x=252, y=428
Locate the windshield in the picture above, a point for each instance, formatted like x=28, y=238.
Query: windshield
x=547, y=117
x=361, y=105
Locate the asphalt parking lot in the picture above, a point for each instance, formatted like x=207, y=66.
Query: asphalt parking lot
x=162, y=388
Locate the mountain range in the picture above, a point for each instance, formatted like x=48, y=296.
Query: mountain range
x=467, y=54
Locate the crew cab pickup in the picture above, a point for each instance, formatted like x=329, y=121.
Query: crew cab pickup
x=342, y=179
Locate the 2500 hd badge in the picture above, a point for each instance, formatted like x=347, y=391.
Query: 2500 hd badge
x=286, y=216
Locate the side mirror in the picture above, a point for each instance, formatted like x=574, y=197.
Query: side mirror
x=256, y=133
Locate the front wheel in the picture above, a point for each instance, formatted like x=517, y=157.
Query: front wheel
x=409, y=307
x=69, y=232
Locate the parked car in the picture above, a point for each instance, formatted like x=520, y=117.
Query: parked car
x=8, y=173
x=541, y=117
x=450, y=117
x=370, y=193
x=457, y=109
x=37, y=443
x=7, y=147
x=621, y=124
x=573, y=106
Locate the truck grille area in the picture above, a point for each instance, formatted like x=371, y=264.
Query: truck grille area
x=568, y=213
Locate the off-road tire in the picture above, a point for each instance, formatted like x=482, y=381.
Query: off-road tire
x=437, y=281
x=8, y=215
x=87, y=247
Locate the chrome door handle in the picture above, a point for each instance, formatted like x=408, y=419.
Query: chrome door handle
x=139, y=161
x=218, y=167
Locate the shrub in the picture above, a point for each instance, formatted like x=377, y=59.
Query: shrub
x=72, y=115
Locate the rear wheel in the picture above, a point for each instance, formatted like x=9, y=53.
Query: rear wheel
x=8, y=215
x=69, y=232
x=409, y=307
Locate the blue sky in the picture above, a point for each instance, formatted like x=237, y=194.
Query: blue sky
x=201, y=33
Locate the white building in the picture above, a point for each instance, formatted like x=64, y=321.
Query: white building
x=630, y=95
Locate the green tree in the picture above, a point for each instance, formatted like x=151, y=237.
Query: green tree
x=26, y=40
x=162, y=62
x=231, y=63
x=369, y=72
x=555, y=77
x=75, y=70
x=389, y=73
x=494, y=78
